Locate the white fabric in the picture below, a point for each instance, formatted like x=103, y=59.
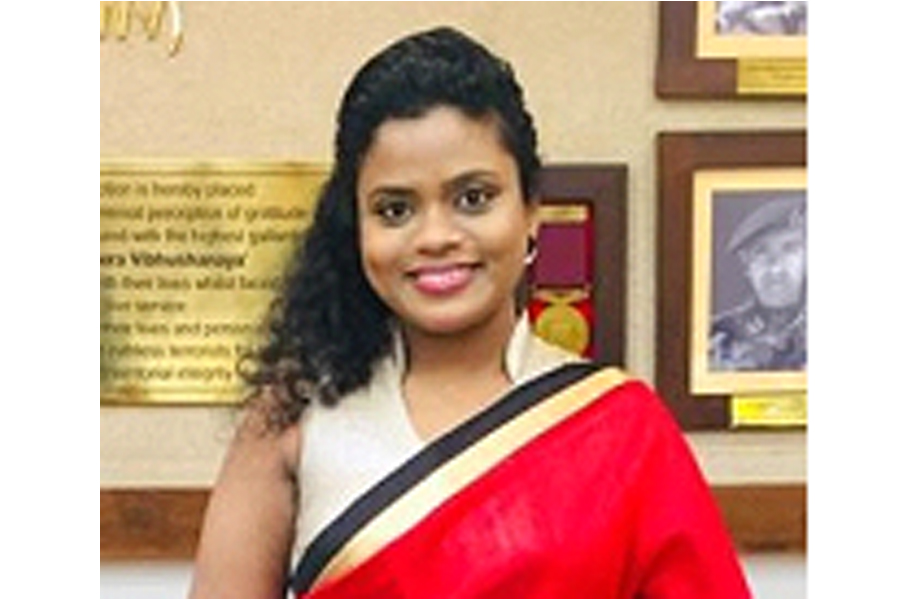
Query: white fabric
x=349, y=448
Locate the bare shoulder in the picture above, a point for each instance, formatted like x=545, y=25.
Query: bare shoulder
x=248, y=529
x=256, y=438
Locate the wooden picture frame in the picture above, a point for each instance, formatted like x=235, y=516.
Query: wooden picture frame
x=597, y=194
x=681, y=157
x=697, y=61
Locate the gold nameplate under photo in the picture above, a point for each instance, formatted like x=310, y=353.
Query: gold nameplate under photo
x=788, y=410
x=191, y=255
x=763, y=76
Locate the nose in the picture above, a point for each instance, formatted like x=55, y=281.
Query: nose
x=438, y=231
x=771, y=263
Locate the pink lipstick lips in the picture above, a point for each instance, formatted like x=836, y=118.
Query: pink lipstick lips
x=442, y=280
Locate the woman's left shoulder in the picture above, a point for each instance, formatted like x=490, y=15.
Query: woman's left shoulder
x=631, y=399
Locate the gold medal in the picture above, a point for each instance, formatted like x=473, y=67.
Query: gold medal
x=562, y=324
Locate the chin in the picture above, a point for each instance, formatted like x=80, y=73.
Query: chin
x=443, y=325
x=449, y=323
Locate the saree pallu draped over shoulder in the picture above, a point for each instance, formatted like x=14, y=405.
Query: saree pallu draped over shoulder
x=577, y=484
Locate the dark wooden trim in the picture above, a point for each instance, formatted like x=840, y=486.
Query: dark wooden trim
x=679, y=156
x=605, y=187
x=765, y=518
x=150, y=524
x=679, y=74
x=164, y=524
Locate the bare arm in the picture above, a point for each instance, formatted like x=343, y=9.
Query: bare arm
x=248, y=529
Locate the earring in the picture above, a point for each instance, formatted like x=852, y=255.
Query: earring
x=531, y=250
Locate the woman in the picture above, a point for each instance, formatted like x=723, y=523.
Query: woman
x=408, y=436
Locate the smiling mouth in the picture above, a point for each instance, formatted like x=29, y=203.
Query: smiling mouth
x=442, y=280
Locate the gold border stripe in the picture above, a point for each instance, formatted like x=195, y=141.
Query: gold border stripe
x=465, y=468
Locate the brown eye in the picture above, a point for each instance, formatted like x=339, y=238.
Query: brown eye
x=476, y=199
x=394, y=211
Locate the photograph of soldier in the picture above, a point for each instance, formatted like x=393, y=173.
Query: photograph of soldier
x=761, y=18
x=759, y=281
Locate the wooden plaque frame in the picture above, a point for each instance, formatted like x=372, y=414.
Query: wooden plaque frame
x=681, y=73
x=604, y=188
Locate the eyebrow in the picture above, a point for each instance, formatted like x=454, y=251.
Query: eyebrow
x=466, y=178
x=449, y=187
x=389, y=190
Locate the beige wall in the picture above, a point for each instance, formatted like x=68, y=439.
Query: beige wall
x=262, y=79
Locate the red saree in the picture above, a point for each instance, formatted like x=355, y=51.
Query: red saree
x=578, y=484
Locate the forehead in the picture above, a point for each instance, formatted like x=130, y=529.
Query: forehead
x=434, y=149
x=440, y=120
x=776, y=238
x=435, y=128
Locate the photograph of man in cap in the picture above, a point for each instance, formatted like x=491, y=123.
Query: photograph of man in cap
x=759, y=287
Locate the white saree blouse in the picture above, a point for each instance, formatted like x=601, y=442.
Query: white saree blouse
x=347, y=449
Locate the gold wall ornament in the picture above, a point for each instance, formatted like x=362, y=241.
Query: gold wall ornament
x=562, y=324
x=117, y=20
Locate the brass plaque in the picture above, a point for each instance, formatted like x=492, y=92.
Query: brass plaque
x=776, y=410
x=191, y=255
x=771, y=76
x=563, y=213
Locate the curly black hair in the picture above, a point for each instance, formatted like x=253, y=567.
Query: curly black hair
x=327, y=327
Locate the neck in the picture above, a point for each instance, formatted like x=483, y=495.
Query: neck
x=475, y=350
x=450, y=377
x=778, y=318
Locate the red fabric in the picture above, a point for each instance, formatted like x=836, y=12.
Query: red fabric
x=607, y=504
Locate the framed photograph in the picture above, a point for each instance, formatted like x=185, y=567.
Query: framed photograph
x=749, y=281
x=576, y=284
x=731, y=282
x=727, y=50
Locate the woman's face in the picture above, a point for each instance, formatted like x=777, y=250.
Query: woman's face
x=443, y=225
